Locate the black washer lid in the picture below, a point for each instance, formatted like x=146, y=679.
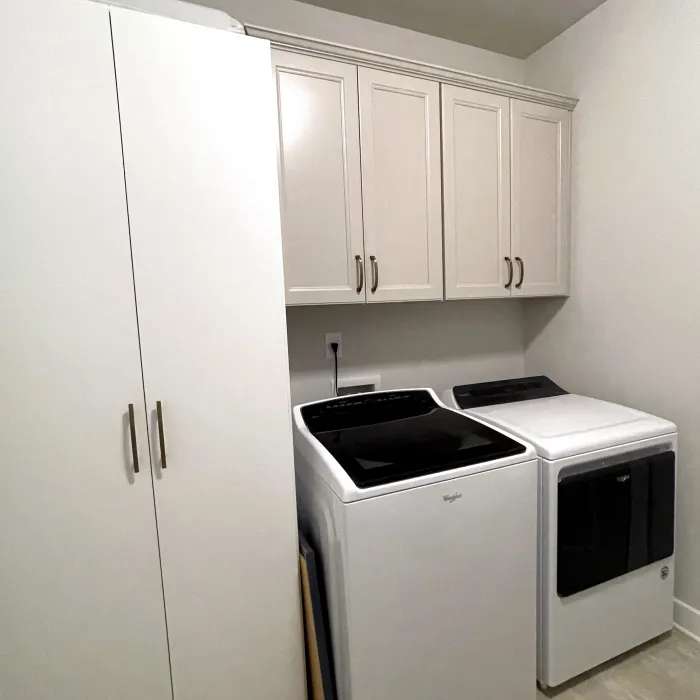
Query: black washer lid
x=379, y=438
x=505, y=391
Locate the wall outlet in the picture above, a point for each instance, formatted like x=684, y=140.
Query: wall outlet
x=333, y=338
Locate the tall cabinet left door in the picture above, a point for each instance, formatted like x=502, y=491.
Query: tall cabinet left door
x=81, y=606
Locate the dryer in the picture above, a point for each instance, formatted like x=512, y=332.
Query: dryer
x=425, y=520
x=606, y=518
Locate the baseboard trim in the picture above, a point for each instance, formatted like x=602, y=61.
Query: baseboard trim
x=686, y=619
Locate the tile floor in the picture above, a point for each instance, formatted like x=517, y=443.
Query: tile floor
x=666, y=669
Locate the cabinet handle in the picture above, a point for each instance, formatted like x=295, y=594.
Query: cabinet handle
x=360, y=273
x=522, y=272
x=134, y=446
x=375, y=273
x=161, y=434
x=509, y=262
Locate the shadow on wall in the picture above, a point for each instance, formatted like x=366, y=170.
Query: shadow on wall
x=537, y=315
x=409, y=344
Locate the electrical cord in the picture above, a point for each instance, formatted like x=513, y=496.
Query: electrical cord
x=334, y=348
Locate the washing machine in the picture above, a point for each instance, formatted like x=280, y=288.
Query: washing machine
x=606, y=518
x=425, y=520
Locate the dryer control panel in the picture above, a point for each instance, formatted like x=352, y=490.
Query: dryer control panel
x=505, y=391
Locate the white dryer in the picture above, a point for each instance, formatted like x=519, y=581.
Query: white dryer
x=607, y=511
x=425, y=520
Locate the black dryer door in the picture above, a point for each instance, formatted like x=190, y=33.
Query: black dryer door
x=614, y=520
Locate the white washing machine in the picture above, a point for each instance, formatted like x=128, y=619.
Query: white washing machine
x=425, y=520
x=607, y=511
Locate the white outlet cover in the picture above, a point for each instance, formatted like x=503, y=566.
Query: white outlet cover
x=334, y=338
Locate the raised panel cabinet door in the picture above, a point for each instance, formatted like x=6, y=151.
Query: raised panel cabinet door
x=320, y=185
x=401, y=186
x=81, y=601
x=199, y=129
x=540, y=231
x=476, y=182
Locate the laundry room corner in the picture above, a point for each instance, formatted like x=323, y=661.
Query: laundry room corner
x=629, y=332
x=350, y=350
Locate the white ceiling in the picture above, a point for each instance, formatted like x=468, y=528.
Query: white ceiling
x=512, y=27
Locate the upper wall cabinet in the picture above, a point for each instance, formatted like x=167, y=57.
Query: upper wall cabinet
x=506, y=196
x=372, y=160
x=401, y=186
x=476, y=182
x=540, y=238
x=320, y=179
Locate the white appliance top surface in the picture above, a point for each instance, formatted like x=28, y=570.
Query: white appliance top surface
x=564, y=426
x=311, y=454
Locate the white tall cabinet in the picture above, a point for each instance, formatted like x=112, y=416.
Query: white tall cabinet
x=147, y=512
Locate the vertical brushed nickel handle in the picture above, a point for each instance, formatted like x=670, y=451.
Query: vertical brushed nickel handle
x=161, y=434
x=360, y=273
x=134, y=446
x=375, y=273
x=509, y=262
x=522, y=272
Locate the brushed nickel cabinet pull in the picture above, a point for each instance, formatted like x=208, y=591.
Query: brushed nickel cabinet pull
x=360, y=273
x=134, y=446
x=375, y=273
x=509, y=262
x=522, y=272
x=161, y=434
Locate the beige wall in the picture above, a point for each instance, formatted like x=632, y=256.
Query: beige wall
x=412, y=344
x=319, y=23
x=631, y=330
x=430, y=344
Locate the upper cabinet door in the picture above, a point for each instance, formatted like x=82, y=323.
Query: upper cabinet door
x=319, y=157
x=199, y=127
x=476, y=181
x=401, y=186
x=81, y=599
x=540, y=234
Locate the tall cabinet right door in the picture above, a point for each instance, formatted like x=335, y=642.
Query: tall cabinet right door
x=401, y=186
x=198, y=122
x=540, y=230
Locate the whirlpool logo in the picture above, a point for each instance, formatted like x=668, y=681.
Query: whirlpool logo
x=451, y=497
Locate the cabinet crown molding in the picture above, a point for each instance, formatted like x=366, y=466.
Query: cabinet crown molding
x=374, y=59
